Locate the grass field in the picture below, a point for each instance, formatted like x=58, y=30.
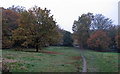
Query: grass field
x=101, y=61
x=60, y=59
x=67, y=60
x=0, y=55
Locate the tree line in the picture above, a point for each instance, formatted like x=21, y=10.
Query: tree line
x=37, y=28
x=34, y=28
x=96, y=32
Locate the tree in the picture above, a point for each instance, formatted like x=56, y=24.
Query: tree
x=117, y=41
x=61, y=32
x=118, y=38
x=18, y=9
x=99, y=41
x=37, y=28
x=67, y=39
x=100, y=22
x=111, y=33
x=81, y=29
x=10, y=18
x=10, y=21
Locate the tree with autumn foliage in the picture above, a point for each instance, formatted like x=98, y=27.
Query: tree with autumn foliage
x=10, y=21
x=99, y=41
x=118, y=41
x=36, y=28
x=118, y=38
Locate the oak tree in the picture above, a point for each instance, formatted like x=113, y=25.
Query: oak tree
x=37, y=28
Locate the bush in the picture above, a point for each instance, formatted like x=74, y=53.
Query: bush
x=99, y=41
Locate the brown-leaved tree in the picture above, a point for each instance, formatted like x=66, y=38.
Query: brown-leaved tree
x=99, y=41
x=37, y=28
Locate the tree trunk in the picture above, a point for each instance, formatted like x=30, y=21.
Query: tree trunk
x=36, y=44
x=37, y=48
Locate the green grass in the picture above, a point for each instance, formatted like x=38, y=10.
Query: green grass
x=101, y=61
x=64, y=62
x=0, y=60
x=43, y=62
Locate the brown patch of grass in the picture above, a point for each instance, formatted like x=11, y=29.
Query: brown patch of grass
x=12, y=61
x=76, y=58
x=71, y=62
x=50, y=52
x=9, y=60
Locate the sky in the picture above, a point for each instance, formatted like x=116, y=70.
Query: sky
x=66, y=11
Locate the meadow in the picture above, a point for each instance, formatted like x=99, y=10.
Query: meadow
x=101, y=61
x=53, y=59
x=59, y=59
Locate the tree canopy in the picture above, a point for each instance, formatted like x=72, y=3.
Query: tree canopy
x=67, y=39
x=36, y=28
x=100, y=22
x=10, y=21
x=81, y=29
x=88, y=25
x=99, y=41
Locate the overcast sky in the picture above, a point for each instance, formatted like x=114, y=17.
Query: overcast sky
x=66, y=11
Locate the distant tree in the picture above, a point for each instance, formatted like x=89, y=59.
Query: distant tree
x=67, y=39
x=61, y=32
x=100, y=22
x=36, y=28
x=81, y=29
x=117, y=41
x=111, y=33
x=118, y=38
x=99, y=41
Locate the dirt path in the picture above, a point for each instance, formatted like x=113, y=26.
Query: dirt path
x=84, y=62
